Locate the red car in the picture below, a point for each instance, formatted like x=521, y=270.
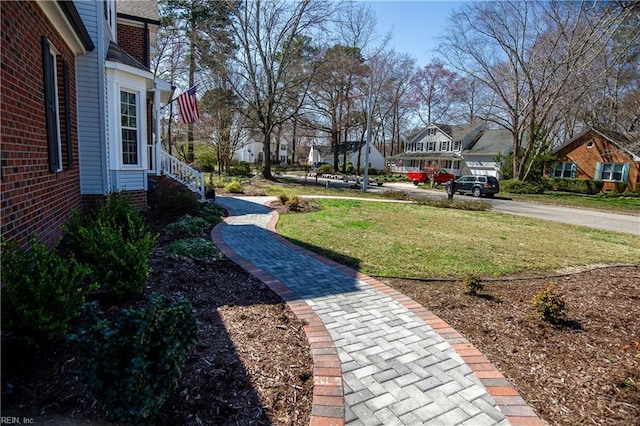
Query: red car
x=442, y=176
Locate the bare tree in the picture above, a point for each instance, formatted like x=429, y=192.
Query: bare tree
x=435, y=90
x=268, y=34
x=531, y=54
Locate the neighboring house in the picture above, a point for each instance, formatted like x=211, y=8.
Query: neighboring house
x=435, y=147
x=457, y=149
x=42, y=41
x=251, y=150
x=599, y=155
x=324, y=154
x=479, y=156
x=119, y=99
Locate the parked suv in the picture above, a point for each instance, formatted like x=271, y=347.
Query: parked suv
x=478, y=185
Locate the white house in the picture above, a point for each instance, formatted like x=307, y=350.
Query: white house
x=324, y=154
x=457, y=149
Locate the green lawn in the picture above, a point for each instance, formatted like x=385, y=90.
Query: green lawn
x=407, y=240
x=607, y=203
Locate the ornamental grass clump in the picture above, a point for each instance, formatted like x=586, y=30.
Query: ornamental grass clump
x=550, y=305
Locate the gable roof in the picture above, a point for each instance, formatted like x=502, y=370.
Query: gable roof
x=619, y=140
x=491, y=142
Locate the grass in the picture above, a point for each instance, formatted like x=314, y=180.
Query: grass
x=407, y=240
x=600, y=202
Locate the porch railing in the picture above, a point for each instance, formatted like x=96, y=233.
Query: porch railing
x=183, y=173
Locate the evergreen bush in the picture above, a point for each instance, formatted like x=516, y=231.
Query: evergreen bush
x=133, y=362
x=115, y=243
x=42, y=292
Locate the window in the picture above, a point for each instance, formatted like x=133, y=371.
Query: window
x=420, y=146
x=616, y=172
x=52, y=111
x=445, y=145
x=283, y=147
x=129, y=127
x=431, y=146
x=457, y=145
x=563, y=170
x=432, y=131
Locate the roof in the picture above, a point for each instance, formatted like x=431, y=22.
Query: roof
x=350, y=147
x=627, y=143
x=146, y=10
x=116, y=54
x=491, y=142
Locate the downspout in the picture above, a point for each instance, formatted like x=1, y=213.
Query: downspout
x=147, y=62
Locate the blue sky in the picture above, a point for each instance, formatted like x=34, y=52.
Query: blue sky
x=415, y=24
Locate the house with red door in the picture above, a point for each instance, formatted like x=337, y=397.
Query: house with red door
x=602, y=155
x=80, y=109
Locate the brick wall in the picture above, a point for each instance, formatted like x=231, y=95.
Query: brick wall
x=33, y=199
x=131, y=39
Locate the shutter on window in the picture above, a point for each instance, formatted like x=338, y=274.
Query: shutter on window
x=574, y=169
x=50, y=106
x=625, y=172
x=67, y=114
x=598, y=175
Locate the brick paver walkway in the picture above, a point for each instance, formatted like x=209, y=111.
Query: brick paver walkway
x=379, y=357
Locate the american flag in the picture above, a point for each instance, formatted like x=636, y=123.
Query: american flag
x=188, y=105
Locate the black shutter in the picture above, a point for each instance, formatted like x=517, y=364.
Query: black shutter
x=67, y=114
x=48, y=64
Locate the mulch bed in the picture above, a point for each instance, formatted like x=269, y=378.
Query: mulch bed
x=583, y=371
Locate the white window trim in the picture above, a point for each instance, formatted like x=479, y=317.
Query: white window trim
x=121, y=81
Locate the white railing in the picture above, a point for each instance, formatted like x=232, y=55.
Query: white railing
x=183, y=173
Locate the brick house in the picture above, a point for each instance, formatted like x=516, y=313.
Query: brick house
x=40, y=177
x=79, y=111
x=599, y=155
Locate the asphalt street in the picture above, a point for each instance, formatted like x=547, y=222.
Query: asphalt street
x=597, y=219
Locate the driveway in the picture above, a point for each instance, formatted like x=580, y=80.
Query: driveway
x=571, y=215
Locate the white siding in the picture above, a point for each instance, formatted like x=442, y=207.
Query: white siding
x=128, y=180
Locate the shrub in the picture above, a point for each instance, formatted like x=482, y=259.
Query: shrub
x=133, y=362
x=326, y=169
x=233, y=187
x=349, y=169
x=519, y=187
x=241, y=169
x=473, y=284
x=212, y=213
x=619, y=187
x=580, y=186
x=283, y=198
x=172, y=199
x=42, y=292
x=194, y=248
x=293, y=204
x=550, y=304
x=115, y=244
x=188, y=226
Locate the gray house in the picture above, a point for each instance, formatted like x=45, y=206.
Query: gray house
x=479, y=156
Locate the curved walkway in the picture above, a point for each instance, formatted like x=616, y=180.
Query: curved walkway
x=379, y=357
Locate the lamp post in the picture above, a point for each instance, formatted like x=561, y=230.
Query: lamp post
x=365, y=181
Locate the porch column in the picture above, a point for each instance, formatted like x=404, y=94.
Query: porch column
x=156, y=113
